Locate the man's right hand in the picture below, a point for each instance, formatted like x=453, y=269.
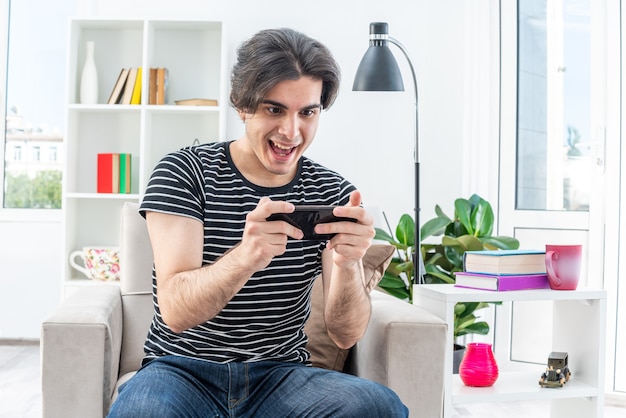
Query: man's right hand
x=262, y=239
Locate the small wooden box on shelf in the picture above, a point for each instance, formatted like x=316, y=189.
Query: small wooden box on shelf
x=579, y=325
x=193, y=52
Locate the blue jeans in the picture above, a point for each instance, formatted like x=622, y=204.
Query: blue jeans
x=174, y=386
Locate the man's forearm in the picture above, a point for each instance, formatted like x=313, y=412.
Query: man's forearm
x=348, y=306
x=193, y=297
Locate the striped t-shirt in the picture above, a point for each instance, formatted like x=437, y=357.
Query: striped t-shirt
x=265, y=319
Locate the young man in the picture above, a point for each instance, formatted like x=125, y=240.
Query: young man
x=232, y=289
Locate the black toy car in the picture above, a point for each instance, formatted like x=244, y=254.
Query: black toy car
x=557, y=372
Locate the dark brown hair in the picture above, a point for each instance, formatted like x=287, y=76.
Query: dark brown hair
x=276, y=55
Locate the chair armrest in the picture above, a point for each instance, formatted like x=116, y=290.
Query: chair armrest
x=80, y=352
x=404, y=349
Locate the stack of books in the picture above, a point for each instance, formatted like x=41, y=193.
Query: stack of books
x=503, y=270
x=114, y=172
x=127, y=88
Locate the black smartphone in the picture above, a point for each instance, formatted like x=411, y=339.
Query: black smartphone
x=305, y=217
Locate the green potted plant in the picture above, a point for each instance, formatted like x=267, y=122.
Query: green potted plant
x=469, y=229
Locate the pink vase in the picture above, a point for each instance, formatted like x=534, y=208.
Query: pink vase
x=478, y=367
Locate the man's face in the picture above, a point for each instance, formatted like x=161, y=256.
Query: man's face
x=283, y=127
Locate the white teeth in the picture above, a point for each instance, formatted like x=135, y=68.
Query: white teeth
x=281, y=147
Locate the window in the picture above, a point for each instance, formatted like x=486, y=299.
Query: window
x=52, y=154
x=36, y=153
x=554, y=95
x=17, y=152
x=35, y=98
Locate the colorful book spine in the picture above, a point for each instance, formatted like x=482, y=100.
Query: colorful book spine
x=163, y=76
x=125, y=173
x=114, y=173
x=152, y=86
x=136, y=97
x=129, y=87
x=115, y=182
x=118, y=88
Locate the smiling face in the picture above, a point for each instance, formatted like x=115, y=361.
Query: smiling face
x=278, y=132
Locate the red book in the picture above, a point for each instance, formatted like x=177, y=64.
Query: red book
x=108, y=173
x=105, y=173
x=501, y=282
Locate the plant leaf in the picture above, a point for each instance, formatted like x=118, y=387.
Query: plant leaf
x=433, y=272
x=474, y=199
x=456, y=229
x=405, y=266
x=463, y=322
x=399, y=293
x=481, y=328
x=482, y=219
x=405, y=231
x=463, y=212
x=463, y=243
x=434, y=227
x=440, y=214
x=383, y=235
x=470, y=307
x=454, y=248
x=391, y=281
x=459, y=308
x=501, y=242
x=392, y=268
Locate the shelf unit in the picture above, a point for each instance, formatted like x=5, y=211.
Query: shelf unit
x=579, y=328
x=194, y=53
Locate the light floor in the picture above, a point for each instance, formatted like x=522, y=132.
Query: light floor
x=20, y=392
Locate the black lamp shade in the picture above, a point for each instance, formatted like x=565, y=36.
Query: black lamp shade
x=378, y=70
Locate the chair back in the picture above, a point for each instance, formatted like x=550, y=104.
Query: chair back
x=136, y=261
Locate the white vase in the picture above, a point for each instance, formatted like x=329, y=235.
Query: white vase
x=89, y=78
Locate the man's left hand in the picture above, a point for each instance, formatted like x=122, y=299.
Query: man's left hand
x=352, y=239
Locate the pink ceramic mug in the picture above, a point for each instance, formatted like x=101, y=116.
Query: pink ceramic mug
x=563, y=266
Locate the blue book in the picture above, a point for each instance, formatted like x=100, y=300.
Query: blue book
x=505, y=261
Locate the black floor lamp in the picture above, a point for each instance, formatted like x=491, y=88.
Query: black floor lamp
x=378, y=71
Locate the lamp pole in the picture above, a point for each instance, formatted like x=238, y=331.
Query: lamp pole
x=417, y=258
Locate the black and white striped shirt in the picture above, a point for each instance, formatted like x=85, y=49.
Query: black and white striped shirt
x=265, y=320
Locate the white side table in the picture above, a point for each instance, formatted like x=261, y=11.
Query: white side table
x=579, y=329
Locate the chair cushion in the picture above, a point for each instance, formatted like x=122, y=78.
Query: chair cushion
x=324, y=352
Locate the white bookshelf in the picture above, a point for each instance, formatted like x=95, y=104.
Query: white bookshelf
x=579, y=328
x=193, y=51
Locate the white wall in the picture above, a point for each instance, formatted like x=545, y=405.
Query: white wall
x=368, y=137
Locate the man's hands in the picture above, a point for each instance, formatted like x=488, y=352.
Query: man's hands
x=269, y=239
x=263, y=240
x=353, y=238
